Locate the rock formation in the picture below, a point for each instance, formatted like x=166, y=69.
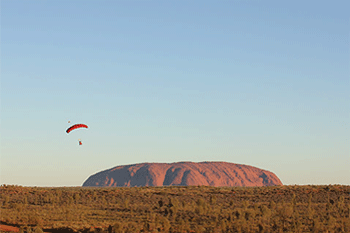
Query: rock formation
x=183, y=174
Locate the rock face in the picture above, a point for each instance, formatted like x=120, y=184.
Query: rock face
x=183, y=174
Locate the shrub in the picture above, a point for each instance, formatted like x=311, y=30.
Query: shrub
x=212, y=200
x=38, y=230
x=117, y=228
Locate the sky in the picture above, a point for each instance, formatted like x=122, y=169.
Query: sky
x=262, y=83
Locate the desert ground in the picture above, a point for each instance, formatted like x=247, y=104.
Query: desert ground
x=310, y=208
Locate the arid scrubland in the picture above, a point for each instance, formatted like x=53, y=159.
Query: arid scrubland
x=177, y=209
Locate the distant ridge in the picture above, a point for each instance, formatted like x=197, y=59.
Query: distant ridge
x=183, y=174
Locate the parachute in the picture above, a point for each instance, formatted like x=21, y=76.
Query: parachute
x=76, y=126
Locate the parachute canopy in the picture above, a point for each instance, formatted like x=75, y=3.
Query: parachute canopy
x=76, y=126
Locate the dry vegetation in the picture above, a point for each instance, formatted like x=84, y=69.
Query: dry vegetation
x=177, y=209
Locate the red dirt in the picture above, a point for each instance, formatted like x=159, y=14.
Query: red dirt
x=8, y=228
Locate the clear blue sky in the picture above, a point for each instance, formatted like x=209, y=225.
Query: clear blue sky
x=263, y=83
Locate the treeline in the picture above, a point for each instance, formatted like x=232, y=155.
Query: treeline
x=178, y=209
